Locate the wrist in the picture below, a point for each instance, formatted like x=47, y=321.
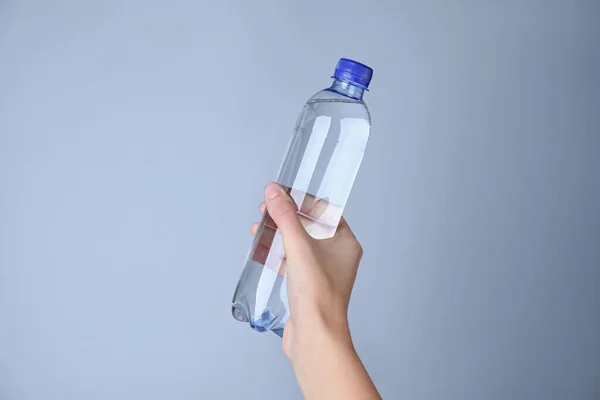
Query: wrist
x=319, y=334
x=327, y=366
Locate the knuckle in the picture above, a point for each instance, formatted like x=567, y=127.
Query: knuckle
x=358, y=249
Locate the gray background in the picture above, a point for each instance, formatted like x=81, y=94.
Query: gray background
x=135, y=140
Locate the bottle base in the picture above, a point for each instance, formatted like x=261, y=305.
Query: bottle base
x=266, y=322
x=239, y=313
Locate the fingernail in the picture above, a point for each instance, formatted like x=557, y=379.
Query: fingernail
x=272, y=190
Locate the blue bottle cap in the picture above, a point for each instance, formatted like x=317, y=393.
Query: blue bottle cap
x=353, y=72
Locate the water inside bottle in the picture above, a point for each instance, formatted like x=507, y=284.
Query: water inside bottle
x=318, y=171
x=267, y=308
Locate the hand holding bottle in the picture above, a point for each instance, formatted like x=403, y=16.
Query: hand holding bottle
x=320, y=276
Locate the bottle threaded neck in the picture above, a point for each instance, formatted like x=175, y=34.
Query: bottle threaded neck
x=347, y=89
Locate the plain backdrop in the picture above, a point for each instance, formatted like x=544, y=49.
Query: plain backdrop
x=135, y=140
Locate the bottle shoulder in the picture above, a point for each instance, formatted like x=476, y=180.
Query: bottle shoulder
x=328, y=97
x=328, y=94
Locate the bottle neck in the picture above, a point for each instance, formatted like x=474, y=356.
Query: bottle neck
x=347, y=89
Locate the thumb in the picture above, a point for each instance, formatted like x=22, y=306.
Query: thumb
x=284, y=212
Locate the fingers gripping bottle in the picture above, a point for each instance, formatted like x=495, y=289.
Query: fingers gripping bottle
x=318, y=171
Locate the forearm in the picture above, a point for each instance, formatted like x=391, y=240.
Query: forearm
x=329, y=368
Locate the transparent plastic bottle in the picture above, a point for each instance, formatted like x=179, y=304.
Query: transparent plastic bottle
x=318, y=171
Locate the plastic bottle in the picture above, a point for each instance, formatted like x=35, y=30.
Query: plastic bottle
x=318, y=171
